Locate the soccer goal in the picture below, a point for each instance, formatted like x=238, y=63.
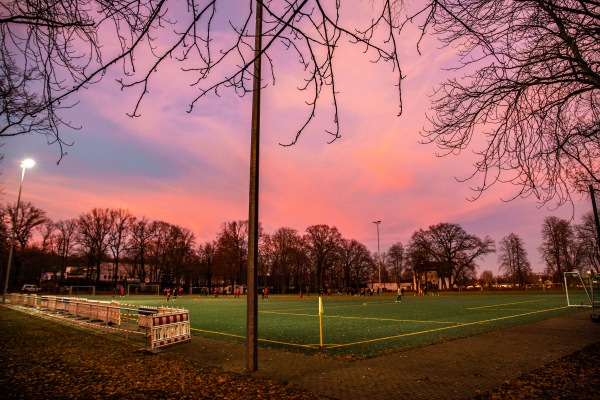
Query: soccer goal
x=142, y=288
x=82, y=290
x=582, y=289
x=199, y=290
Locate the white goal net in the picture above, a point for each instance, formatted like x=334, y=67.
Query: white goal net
x=142, y=288
x=82, y=290
x=582, y=289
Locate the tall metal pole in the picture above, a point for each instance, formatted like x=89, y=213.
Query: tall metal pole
x=24, y=165
x=593, y=196
x=378, y=254
x=252, y=295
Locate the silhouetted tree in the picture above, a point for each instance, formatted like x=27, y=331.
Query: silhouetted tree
x=232, y=250
x=118, y=237
x=396, y=261
x=206, y=255
x=526, y=100
x=93, y=228
x=140, y=244
x=487, y=277
x=356, y=262
x=28, y=219
x=513, y=259
x=559, y=249
x=587, y=237
x=65, y=241
x=159, y=269
x=323, y=244
x=180, y=246
x=286, y=246
x=449, y=244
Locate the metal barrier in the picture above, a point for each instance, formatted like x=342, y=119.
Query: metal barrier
x=161, y=326
x=165, y=327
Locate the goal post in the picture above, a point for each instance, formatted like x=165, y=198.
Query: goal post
x=142, y=288
x=199, y=290
x=580, y=289
x=82, y=290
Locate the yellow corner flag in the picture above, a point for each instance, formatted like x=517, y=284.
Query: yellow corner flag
x=320, y=322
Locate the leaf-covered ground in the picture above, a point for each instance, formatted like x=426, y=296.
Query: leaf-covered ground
x=576, y=376
x=41, y=359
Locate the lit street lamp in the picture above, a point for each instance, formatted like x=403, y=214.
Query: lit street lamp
x=378, y=257
x=27, y=163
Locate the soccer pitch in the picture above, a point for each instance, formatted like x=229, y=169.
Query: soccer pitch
x=364, y=326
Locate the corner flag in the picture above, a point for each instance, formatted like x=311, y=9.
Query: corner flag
x=320, y=322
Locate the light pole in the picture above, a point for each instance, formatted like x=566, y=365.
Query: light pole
x=252, y=294
x=27, y=163
x=378, y=257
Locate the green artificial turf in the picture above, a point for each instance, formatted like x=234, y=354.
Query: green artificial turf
x=364, y=326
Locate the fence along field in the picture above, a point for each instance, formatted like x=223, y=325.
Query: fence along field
x=364, y=326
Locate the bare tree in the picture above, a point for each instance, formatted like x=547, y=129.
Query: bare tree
x=159, y=251
x=448, y=244
x=396, y=260
x=93, y=228
x=285, y=244
x=356, y=262
x=232, y=250
x=559, y=249
x=206, y=255
x=139, y=245
x=49, y=50
x=65, y=240
x=487, y=278
x=47, y=246
x=180, y=246
x=28, y=219
x=47, y=232
x=323, y=244
x=587, y=237
x=122, y=221
x=527, y=101
x=513, y=259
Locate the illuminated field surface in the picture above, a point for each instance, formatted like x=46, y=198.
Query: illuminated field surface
x=364, y=326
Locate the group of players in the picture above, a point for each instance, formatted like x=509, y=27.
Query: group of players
x=173, y=292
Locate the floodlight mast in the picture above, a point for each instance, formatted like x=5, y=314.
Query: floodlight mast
x=27, y=163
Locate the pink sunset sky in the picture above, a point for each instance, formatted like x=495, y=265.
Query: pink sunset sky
x=193, y=169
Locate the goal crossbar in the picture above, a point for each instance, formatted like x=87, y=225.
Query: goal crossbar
x=142, y=288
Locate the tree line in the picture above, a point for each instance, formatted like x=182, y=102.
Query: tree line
x=320, y=257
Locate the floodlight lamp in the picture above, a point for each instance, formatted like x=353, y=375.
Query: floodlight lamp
x=27, y=163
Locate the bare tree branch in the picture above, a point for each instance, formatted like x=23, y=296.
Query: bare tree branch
x=51, y=50
x=527, y=103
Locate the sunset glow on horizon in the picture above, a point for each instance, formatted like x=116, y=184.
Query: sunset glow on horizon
x=192, y=169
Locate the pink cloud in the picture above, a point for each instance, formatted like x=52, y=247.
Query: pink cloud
x=192, y=169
